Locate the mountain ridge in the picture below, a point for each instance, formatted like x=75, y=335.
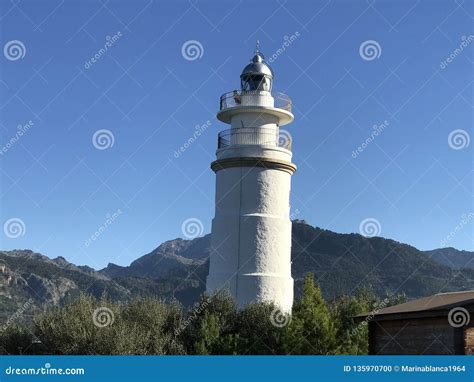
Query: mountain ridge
x=177, y=269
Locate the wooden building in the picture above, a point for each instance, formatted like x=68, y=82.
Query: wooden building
x=439, y=324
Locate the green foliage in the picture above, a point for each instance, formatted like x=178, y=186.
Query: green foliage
x=312, y=329
x=213, y=326
x=90, y=326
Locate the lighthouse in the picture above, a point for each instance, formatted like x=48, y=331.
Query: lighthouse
x=251, y=230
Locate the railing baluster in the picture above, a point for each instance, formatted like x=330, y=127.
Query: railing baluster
x=251, y=136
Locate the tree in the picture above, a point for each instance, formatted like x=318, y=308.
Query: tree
x=311, y=330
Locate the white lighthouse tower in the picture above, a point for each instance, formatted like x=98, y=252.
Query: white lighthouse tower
x=251, y=230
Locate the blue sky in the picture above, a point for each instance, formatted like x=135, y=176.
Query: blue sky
x=414, y=179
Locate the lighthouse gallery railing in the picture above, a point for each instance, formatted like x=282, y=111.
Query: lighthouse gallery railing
x=259, y=136
x=237, y=98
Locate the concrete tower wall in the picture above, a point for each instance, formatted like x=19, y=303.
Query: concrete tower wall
x=251, y=236
x=251, y=231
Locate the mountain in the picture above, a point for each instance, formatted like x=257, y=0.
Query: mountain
x=452, y=257
x=178, y=269
x=175, y=255
x=26, y=276
x=343, y=262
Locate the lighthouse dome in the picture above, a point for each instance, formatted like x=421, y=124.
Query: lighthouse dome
x=258, y=75
x=258, y=66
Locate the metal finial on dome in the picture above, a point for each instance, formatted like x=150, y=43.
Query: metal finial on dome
x=257, y=47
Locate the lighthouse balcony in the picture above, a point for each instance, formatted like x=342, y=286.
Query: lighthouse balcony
x=253, y=136
x=238, y=98
x=274, y=104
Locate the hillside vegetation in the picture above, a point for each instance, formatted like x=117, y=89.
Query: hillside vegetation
x=213, y=326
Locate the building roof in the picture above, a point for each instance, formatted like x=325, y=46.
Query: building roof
x=436, y=303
